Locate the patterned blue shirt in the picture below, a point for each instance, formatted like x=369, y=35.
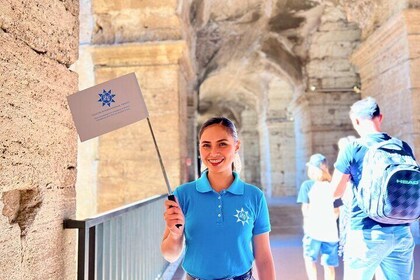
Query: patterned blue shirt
x=219, y=227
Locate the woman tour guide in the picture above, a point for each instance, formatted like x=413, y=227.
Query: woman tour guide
x=223, y=220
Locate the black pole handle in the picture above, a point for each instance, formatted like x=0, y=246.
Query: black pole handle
x=172, y=197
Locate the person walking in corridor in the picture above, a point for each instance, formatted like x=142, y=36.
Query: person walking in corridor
x=370, y=245
x=320, y=215
x=224, y=221
x=347, y=197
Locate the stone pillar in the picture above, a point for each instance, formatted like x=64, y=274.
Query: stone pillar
x=389, y=70
x=303, y=145
x=87, y=154
x=265, y=158
x=321, y=119
x=250, y=147
x=38, y=140
x=128, y=167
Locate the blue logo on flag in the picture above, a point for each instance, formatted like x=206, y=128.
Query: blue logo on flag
x=106, y=98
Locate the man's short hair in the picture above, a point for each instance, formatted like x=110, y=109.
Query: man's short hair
x=366, y=108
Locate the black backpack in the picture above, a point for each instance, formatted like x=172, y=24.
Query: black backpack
x=389, y=190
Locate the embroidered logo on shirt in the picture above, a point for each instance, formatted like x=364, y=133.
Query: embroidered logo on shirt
x=242, y=216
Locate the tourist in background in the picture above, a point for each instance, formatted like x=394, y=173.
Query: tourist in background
x=320, y=215
x=370, y=246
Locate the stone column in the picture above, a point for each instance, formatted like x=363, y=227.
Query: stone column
x=321, y=119
x=128, y=167
x=38, y=40
x=303, y=135
x=250, y=147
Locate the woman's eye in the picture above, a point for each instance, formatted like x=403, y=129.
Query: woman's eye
x=222, y=144
x=205, y=145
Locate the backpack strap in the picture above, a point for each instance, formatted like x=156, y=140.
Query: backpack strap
x=377, y=145
x=393, y=140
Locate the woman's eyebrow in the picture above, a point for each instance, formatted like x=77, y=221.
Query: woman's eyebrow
x=207, y=142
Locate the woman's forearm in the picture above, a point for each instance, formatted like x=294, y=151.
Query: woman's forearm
x=172, y=246
x=266, y=269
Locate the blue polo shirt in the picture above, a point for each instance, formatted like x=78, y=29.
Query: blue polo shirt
x=219, y=227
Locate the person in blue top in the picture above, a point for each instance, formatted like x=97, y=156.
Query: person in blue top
x=223, y=220
x=320, y=213
x=370, y=246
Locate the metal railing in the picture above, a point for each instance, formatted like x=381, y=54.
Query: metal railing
x=123, y=243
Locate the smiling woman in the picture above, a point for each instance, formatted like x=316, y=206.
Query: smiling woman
x=225, y=220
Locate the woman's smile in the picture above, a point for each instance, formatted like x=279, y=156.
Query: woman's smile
x=215, y=162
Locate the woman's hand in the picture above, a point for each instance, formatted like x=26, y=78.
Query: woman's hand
x=173, y=240
x=173, y=217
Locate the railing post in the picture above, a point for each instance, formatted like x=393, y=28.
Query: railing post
x=91, y=251
x=118, y=244
x=82, y=265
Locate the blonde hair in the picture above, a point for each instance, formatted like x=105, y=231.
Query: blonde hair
x=319, y=174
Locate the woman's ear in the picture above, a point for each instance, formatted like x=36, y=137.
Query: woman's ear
x=237, y=146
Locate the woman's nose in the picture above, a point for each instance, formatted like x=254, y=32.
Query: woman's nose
x=214, y=151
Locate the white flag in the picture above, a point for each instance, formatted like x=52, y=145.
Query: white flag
x=108, y=106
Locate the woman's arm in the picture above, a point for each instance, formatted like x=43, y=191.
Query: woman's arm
x=173, y=237
x=263, y=257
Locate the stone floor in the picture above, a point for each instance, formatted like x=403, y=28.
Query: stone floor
x=287, y=253
x=286, y=235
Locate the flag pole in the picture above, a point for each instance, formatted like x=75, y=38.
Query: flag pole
x=170, y=194
x=160, y=159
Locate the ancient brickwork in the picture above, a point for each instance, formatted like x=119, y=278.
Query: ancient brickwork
x=38, y=163
x=331, y=45
x=321, y=112
x=388, y=67
x=128, y=167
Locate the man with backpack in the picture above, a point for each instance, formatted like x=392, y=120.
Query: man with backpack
x=385, y=179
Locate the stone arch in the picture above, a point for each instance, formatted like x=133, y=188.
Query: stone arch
x=258, y=101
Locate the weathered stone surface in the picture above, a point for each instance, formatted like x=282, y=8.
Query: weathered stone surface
x=128, y=167
x=369, y=14
x=136, y=21
x=38, y=163
x=47, y=27
x=387, y=70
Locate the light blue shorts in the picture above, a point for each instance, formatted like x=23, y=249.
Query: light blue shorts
x=328, y=250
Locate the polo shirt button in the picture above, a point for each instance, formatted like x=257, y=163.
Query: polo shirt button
x=219, y=197
x=219, y=215
x=220, y=206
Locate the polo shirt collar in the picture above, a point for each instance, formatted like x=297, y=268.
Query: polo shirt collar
x=203, y=184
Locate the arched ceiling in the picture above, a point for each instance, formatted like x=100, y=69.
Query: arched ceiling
x=241, y=48
x=241, y=43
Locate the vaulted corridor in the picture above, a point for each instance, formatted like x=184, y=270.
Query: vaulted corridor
x=285, y=71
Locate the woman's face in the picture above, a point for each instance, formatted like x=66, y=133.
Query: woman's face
x=217, y=148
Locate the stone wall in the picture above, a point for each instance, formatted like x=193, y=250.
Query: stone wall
x=388, y=66
x=38, y=164
x=321, y=111
x=371, y=14
x=151, y=39
x=128, y=167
